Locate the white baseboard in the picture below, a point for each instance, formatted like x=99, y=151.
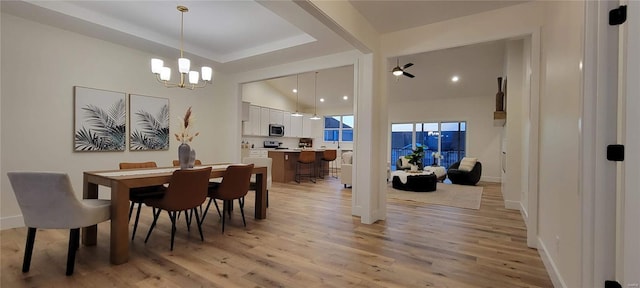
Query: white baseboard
x=513, y=205
x=11, y=222
x=491, y=179
x=525, y=215
x=550, y=266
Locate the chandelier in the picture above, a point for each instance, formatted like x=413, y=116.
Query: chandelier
x=163, y=74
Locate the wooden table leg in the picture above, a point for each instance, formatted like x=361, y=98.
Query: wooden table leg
x=261, y=195
x=89, y=234
x=119, y=224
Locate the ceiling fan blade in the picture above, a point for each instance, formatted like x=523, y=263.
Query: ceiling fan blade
x=407, y=65
x=408, y=74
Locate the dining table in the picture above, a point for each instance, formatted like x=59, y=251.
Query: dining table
x=121, y=182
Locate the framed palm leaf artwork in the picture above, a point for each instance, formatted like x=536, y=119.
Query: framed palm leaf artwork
x=149, y=120
x=100, y=120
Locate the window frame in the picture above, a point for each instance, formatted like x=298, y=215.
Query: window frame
x=340, y=128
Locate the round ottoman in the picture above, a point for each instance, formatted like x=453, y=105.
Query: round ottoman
x=417, y=183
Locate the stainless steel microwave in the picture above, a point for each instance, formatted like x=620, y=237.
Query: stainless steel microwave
x=276, y=130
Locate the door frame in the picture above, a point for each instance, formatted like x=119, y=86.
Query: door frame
x=628, y=230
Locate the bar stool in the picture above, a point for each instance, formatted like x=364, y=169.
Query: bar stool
x=308, y=159
x=329, y=156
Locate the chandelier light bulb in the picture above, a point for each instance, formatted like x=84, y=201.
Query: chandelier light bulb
x=156, y=65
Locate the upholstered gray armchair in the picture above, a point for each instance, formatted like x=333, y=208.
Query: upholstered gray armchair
x=463, y=177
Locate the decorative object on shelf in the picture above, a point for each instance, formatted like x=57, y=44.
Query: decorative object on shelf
x=499, y=96
x=415, y=158
x=500, y=115
x=186, y=155
x=435, y=156
x=149, y=120
x=100, y=120
x=163, y=74
x=315, y=96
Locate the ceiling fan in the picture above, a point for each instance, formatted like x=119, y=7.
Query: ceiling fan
x=397, y=71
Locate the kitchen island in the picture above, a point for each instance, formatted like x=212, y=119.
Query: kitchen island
x=283, y=167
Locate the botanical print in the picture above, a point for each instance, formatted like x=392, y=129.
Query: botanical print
x=100, y=120
x=149, y=120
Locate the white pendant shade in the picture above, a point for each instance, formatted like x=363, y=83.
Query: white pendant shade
x=193, y=77
x=207, y=73
x=165, y=74
x=184, y=65
x=156, y=65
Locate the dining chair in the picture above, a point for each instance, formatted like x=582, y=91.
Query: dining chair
x=47, y=201
x=212, y=181
x=328, y=156
x=235, y=185
x=140, y=194
x=260, y=161
x=308, y=160
x=176, y=163
x=187, y=191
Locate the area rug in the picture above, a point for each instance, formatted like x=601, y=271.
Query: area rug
x=446, y=194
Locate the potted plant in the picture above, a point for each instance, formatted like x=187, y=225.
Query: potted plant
x=415, y=158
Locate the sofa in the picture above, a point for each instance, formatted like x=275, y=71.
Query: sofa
x=465, y=175
x=346, y=169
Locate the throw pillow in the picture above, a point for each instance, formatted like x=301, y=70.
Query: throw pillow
x=467, y=164
x=405, y=162
x=347, y=158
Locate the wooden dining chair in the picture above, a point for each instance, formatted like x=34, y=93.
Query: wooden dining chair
x=260, y=161
x=187, y=191
x=47, y=201
x=140, y=194
x=235, y=185
x=176, y=163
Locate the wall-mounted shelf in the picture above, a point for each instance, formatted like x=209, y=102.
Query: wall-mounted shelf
x=499, y=118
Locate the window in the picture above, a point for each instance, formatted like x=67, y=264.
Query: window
x=338, y=128
x=448, y=138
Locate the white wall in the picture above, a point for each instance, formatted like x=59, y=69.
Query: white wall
x=560, y=113
x=40, y=66
x=511, y=191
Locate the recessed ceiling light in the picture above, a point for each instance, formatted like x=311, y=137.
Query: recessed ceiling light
x=295, y=90
x=321, y=99
x=455, y=79
x=345, y=97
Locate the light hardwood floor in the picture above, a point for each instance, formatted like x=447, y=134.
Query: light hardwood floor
x=309, y=239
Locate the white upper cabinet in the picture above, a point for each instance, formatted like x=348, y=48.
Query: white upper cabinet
x=275, y=116
x=306, y=125
x=265, y=119
x=286, y=121
x=296, y=127
x=254, y=121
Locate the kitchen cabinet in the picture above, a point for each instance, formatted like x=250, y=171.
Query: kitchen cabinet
x=258, y=153
x=265, y=118
x=286, y=122
x=253, y=126
x=306, y=125
x=276, y=116
x=296, y=126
